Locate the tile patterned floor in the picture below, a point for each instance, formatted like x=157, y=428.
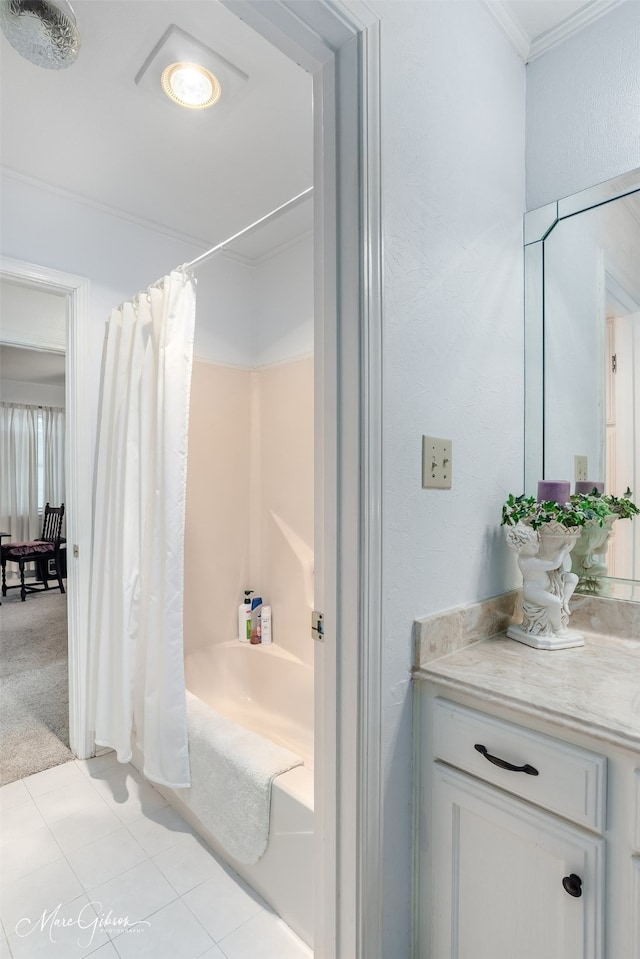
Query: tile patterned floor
x=91, y=842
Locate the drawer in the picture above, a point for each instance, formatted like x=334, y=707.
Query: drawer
x=570, y=781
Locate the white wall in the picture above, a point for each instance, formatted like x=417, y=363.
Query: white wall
x=453, y=194
x=284, y=308
x=121, y=257
x=118, y=256
x=258, y=313
x=583, y=108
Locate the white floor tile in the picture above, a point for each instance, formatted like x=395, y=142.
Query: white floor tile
x=45, y=888
x=103, y=822
x=116, y=780
x=105, y=952
x=187, y=864
x=89, y=767
x=54, y=778
x=159, y=830
x=214, y=953
x=265, y=937
x=127, y=792
x=84, y=827
x=67, y=800
x=135, y=894
x=223, y=903
x=70, y=932
x=97, y=862
x=173, y=933
x=27, y=852
x=12, y=794
x=21, y=820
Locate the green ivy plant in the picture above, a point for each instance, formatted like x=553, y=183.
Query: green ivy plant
x=579, y=510
x=526, y=509
x=624, y=508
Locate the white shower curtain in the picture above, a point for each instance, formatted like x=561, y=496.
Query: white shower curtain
x=135, y=618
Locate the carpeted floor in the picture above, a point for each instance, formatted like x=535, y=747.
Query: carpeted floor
x=34, y=687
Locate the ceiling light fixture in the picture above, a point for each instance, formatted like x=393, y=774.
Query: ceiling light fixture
x=190, y=85
x=42, y=31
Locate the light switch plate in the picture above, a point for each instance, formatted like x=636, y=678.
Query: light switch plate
x=581, y=467
x=436, y=463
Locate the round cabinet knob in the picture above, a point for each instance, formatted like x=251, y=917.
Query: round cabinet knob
x=573, y=885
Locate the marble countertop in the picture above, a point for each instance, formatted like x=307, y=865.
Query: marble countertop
x=594, y=689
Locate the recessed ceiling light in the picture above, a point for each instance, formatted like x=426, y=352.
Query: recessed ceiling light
x=190, y=85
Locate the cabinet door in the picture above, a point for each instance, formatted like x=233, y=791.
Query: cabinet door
x=496, y=874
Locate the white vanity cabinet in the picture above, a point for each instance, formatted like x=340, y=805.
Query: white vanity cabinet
x=525, y=845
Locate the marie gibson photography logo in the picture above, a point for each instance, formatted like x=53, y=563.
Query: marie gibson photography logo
x=89, y=920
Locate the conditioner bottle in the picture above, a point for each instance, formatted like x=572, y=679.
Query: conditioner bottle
x=266, y=625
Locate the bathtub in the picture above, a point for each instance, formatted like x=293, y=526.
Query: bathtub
x=263, y=688
x=267, y=690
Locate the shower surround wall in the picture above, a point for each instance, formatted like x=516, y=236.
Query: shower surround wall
x=249, y=520
x=249, y=517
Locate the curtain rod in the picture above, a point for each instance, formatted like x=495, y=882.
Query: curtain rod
x=290, y=204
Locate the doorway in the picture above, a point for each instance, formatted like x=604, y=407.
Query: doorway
x=67, y=337
x=33, y=663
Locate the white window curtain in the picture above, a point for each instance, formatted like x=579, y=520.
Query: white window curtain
x=31, y=466
x=135, y=614
x=53, y=427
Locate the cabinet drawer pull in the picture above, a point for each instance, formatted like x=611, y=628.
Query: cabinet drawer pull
x=529, y=770
x=573, y=885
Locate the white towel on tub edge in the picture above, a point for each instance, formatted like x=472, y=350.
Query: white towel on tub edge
x=232, y=770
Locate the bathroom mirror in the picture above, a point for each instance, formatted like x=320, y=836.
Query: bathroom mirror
x=582, y=352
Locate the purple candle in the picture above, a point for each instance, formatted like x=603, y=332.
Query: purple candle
x=557, y=491
x=587, y=486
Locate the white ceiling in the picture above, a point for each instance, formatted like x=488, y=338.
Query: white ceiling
x=92, y=131
x=32, y=366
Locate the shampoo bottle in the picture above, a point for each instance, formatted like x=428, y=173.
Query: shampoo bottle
x=244, y=617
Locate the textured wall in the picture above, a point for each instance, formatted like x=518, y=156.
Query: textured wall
x=453, y=194
x=583, y=108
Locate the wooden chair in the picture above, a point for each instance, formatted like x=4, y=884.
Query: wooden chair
x=40, y=551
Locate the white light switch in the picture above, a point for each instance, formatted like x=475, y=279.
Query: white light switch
x=436, y=463
x=582, y=467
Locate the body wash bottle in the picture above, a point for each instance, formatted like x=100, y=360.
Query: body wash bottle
x=244, y=617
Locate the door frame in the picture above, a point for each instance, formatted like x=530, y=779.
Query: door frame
x=77, y=471
x=340, y=46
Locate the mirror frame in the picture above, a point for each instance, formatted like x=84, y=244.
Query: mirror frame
x=538, y=224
